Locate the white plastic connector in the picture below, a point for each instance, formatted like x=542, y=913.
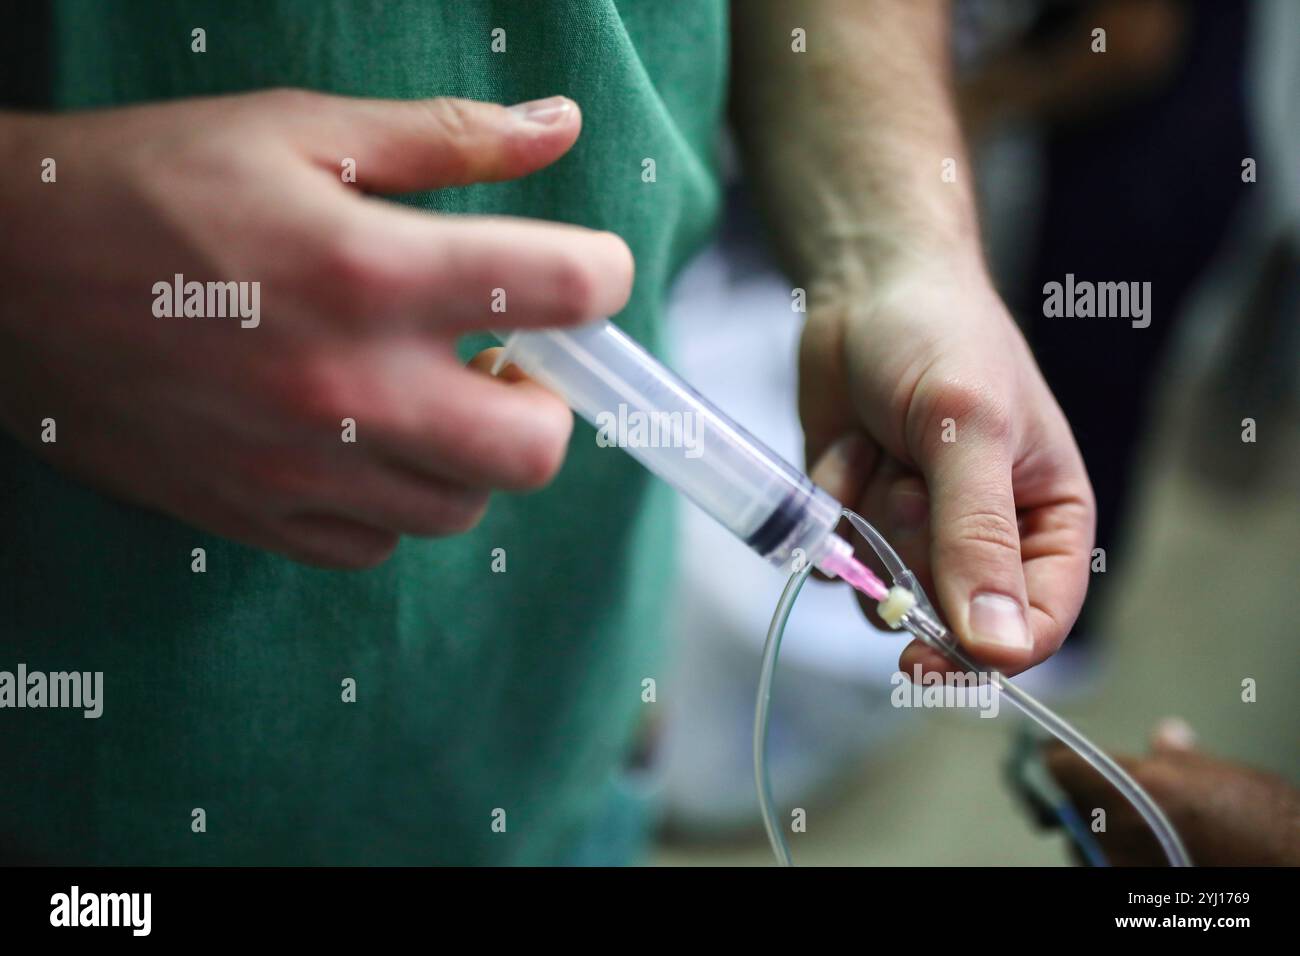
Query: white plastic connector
x=895, y=606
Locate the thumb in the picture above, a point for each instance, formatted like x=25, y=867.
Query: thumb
x=967, y=462
x=409, y=145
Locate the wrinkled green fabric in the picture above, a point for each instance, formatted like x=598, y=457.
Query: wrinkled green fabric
x=476, y=691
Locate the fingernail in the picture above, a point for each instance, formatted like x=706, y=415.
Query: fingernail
x=997, y=621
x=545, y=112
x=909, y=506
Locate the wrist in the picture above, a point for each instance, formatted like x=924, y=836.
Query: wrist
x=869, y=269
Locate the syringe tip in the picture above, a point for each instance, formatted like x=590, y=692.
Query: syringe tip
x=859, y=576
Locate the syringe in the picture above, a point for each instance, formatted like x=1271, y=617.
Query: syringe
x=770, y=505
x=604, y=375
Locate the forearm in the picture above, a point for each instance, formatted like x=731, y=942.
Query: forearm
x=905, y=337
x=846, y=143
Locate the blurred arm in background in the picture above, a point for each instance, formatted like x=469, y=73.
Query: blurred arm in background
x=1060, y=77
x=1227, y=814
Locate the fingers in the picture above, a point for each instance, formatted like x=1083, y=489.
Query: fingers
x=1055, y=544
x=1010, y=512
x=889, y=486
x=843, y=468
x=408, y=145
x=482, y=432
x=548, y=274
x=391, y=497
x=963, y=445
x=455, y=274
x=1006, y=542
x=896, y=501
x=1055, y=532
x=439, y=485
x=916, y=654
x=432, y=439
x=369, y=260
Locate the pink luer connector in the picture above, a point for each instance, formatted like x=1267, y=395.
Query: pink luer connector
x=856, y=574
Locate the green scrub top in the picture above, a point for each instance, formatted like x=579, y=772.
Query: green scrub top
x=492, y=708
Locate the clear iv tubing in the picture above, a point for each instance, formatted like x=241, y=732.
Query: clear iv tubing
x=921, y=621
x=608, y=379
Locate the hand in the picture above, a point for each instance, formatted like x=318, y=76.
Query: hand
x=1227, y=815
x=925, y=412
x=239, y=429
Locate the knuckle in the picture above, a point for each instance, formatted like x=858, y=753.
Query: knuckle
x=950, y=398
x=969, y=405
x=281, y=480
x=987, y=529
x=360, y=277
x=322, y=395
x=995, y=421
x=453, y=122
x=387, y=416
x=453, y=117
x=1074, y=520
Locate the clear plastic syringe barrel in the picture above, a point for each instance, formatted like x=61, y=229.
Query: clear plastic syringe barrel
x=608, y=379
